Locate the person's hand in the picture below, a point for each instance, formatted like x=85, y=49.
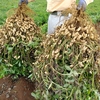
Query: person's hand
x=21, y=1
x=82, y=5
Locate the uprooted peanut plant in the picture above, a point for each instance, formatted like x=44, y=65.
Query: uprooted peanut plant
x=69, y=66
x=19, y=38
x=66, y=64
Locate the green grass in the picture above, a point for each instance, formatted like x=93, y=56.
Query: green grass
x=93, y=10
x=6, y=5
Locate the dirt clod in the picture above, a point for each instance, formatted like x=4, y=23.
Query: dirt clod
x=16, y=90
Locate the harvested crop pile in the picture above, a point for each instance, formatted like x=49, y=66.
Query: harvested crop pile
x=69, y=64
x=19, y=27
x=19, y=39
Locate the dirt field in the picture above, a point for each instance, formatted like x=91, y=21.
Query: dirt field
x=16, y=90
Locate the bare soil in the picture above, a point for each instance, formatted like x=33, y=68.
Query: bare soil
x=20, y=89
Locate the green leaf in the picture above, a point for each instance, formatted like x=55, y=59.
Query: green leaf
x=36, y=95
x=9, y=49
x=68, y=67
x=69, y=81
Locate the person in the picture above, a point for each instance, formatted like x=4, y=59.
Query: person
x=55, y=7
